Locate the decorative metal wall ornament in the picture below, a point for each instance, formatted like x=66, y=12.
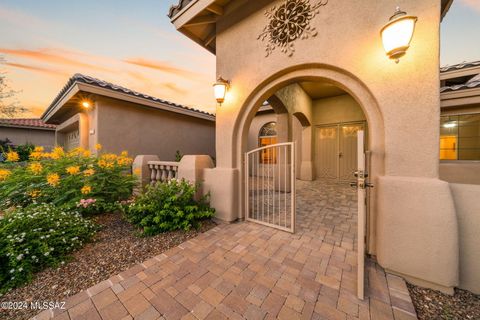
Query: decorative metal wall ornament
x=289, y=22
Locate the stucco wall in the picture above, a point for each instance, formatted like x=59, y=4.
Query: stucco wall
x=338, y=109
x=17, y=136
x=460, y=172
x=139, y=130
x=468, y=212
x=399, y=102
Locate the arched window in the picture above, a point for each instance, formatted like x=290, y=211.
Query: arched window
x=266, y=137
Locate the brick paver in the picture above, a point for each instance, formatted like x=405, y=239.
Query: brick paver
x=248, y=271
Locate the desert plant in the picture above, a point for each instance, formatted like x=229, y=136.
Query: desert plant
x=168, y=206
x=65, y=178
x=36, y=237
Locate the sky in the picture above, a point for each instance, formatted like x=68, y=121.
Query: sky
x=133, y=44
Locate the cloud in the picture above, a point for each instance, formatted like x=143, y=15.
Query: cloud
x=474, y=4
x=173, y=87
x=36, y=68
x=161, y=66
x=48, y=56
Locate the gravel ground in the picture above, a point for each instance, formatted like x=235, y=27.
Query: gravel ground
x=116, y=248
x=431, y=304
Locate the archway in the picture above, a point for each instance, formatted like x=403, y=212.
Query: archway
x=315, y=73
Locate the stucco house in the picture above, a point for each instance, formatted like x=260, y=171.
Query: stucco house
x=27, y=130
x=460, y=123
x=357, y=89
x=88, y=111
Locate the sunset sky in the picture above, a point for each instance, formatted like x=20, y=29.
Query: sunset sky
x=133, y=44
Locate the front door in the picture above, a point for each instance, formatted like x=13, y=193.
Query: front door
x=336, y=151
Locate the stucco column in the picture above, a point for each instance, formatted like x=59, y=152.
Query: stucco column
x=306, y=166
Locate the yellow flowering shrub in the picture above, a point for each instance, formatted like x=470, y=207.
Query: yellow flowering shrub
x=86, y=189
x=89, y=172
x=73, y=170
x=4, y=173
x=74, y=179
x=12, y=156
x=53, y=179
x=35, y=168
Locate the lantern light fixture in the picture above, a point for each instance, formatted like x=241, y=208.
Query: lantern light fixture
x=397, y=34
x=220, y=88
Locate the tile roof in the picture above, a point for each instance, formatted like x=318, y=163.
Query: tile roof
x=470, y=84
x=80, y=78
x=174, y=9
x=26, y=122
x=460, y=66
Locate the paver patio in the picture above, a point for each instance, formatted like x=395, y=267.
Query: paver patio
x=248, y=271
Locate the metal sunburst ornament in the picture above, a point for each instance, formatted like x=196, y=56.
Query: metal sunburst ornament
x=289, y=22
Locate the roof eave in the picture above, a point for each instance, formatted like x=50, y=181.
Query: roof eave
x=446, y=4
x=25, y=127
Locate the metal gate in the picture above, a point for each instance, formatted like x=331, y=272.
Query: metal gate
x=270, y=186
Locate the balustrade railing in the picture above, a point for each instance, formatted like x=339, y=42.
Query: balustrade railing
x=162, y=171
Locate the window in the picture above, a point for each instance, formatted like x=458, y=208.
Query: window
x=266, y=137
x=460, y=137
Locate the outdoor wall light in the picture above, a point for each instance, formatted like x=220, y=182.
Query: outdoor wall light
x=220, y=89
x=86, y=104
x=397, y=34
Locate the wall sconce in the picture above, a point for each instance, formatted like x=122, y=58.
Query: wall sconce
x=397, y=34
x=86, y=104
x=220, y=89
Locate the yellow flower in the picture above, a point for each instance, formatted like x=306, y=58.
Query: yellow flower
x=98, y=146
x=124, y=153
x=12, y=156
x=36, y=168
x=34, y=193
x=87, y=153
x=53, y=179
x=57, y=153
x=105, y=164
x=124, y=161
x=36, y=155
x=89, y=172
x=4, y=173
x=137, y=171
x=73, y=170
x=38, y=149
x=109, y=156
x=53, y=156
x=86, y=189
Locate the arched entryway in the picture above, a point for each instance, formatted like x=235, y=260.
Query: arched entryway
x=323, y=74
x=327, y=208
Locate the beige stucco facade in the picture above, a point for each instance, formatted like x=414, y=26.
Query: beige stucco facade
x=120, y=121
x=414, y=229
x=22, y=135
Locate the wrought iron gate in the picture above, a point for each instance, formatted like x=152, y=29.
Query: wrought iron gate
x=270, y=186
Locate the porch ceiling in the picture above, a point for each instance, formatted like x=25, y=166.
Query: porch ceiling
x=320, y=90
x=197, y=19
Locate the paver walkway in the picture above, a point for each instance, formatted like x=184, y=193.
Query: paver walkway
x=248, y=271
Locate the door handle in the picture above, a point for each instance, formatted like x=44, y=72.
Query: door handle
x=340, y=154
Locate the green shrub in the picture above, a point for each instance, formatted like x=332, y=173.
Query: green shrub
x=168, y=206
x=36, y=237
x=24, y=151
x=67, y=180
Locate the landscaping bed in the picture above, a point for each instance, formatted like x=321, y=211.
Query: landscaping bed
x=115, y=248
x=431, y=304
